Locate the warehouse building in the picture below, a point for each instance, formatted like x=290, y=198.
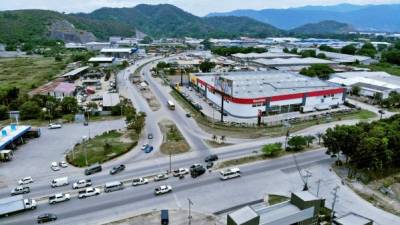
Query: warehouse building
x=345, y=58
x=369, y=83
x=121, y=53
x=289, y=62
x=254, y=94
x=266, y=55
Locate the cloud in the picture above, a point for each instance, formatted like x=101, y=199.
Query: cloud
x=198, y=7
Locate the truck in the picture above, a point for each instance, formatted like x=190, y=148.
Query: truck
x=58, y=182
x=57, y=198
x=6, y=155
x=82, y=184
x=15, y=204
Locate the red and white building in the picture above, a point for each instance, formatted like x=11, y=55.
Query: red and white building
x=250, y=94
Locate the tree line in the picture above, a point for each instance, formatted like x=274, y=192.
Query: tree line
x=228, y=51
x=367, y=147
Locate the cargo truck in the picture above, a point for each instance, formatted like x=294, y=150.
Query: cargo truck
x=15, y=204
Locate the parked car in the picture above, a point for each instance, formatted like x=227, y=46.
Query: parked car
x=54, y=126
x=197, y=170
x=162, y=190
x=117, y=169
x=54, y=166
x=19, y=190
x=150, y=136
x=188, y=115
x=211, y=158
x=148, y=149
x=63, y=164
x=139, y=181
x=25, y=180
x=57, y=198
x=144, y=147
x=88, y=192
x=48, y=217
x=82, y=184
x=160, y=177
x=180, y=171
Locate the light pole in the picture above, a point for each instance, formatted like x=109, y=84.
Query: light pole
x=170, y=161
x=84, y=149
x=190, y=211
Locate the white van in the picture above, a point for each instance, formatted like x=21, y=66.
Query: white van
x=229, y=173
x=58, y=182
x=113, y=186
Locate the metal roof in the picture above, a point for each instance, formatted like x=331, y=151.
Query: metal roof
x=344, y=58
x=11, y=133
x=102, y=59
x=117, y=50
x=75, y=71
x=352, y=219
x=306, y=196
x=381, y=79
x=265, y=55
x=243, y=215
x=292, y=61
x=110, y=99
x=267, y=83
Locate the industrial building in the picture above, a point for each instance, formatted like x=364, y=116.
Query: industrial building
x=368, y=82
x=252, y=94
x=266, y=55
x=352, y=219
x=302, y=209
x=121, y=53
x=345, y=58
x=281, y=62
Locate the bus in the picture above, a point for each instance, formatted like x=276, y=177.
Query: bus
x=171, y=105
x=229, y=173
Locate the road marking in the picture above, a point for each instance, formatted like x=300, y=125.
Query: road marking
x=178, y=203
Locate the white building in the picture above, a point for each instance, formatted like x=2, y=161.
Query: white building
x=345, y=58
x=369, y=82
x=122, y=53
x=279, y=62
x=265, y=55
x=97, y=46
x=249, y=94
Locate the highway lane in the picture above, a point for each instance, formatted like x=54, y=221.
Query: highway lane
x=134, y=195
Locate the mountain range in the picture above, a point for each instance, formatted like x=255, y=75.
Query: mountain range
x=361, y=17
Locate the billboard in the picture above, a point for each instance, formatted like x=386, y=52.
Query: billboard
x=224, y=85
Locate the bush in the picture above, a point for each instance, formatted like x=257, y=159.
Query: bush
x=30, y=110
x=3, y=112
x=272, y=149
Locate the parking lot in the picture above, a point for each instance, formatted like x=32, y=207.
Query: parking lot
x=34, y=158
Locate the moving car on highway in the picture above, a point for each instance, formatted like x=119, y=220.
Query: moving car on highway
x=117, y=169
x=88, y=192
x=54, y=126
x=180, y=171
x=229, y=173
x=211, y=158
x=148, y=149
x=60, y=197
x=162, y=189
x=93, y=169
x=197, y=170
x=161, y=177
x=25, y=180
x=58, y=182
x=82, y=184
x=48, y=217
x=139, y=181
x=54, y=166
x=19, y=190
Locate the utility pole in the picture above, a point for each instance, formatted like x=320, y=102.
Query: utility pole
x=306, y=177
x=335, y=196
x=84, y=148
x=170, y=162
x=319, y=183
x=190, y=212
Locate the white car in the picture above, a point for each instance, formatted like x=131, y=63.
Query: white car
x=54, y=166
x=25, y=180
x=160, y=177
x=82, y=184
x=63, y=164
x=180, y=171
x=162, y=190
x=139, y=181
x=54, y=126
x=57, y=198
x=88, y=192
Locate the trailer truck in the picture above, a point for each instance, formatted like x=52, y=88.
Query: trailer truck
x=15, y=204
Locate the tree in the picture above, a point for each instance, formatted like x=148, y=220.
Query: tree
x=272, y=149
x=206, y=66
x=297, y=143
x=286, y=50
x=308, y=53
x=368, y=49
x=391, y=56
x=349, y=49
x=69, y=105
x=309, y=139
x=30, y=110
x=3, y=112
x=319, y=136
x=327, y=48
x=355, y=90
x=321, y=56
x=378, y=97
x=322, y=71
x=146, y=40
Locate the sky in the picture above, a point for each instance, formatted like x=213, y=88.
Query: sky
x=197, y=7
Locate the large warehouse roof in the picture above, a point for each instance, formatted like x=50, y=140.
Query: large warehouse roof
x=265, y=55
x=292, y=62
x=117, y=50
x=381, y=79
x=344, y=58
x=267, y=83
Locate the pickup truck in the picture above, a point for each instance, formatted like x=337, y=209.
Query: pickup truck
x=180, y=171
x=57, y=198
x=82, y=184
x=88, y=192
x=20, y=190
x=162, y=190
x=139, y=181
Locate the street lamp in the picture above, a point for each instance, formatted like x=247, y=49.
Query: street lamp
x=190, y=212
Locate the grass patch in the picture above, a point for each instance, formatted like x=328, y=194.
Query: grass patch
x=242, y=160
x=257, y=132
x=276, y=199
x=173, y=142
x=386, y=67
x=28, y=73
x=215, y=144
x=103, y=147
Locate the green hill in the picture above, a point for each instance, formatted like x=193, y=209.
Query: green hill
x=324, y=27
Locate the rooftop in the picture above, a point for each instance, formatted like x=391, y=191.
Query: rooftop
x=381, y=79
x=75, y=71
x=10, y=133
x=265, y=83
x=110, y=99
x=306, y=196
x=117, y=50
x=243, y=215
x=344, y=58
x=265, y=55
x=352, y=219
x=292, y=61
x=101, y=59
x=65, y=87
